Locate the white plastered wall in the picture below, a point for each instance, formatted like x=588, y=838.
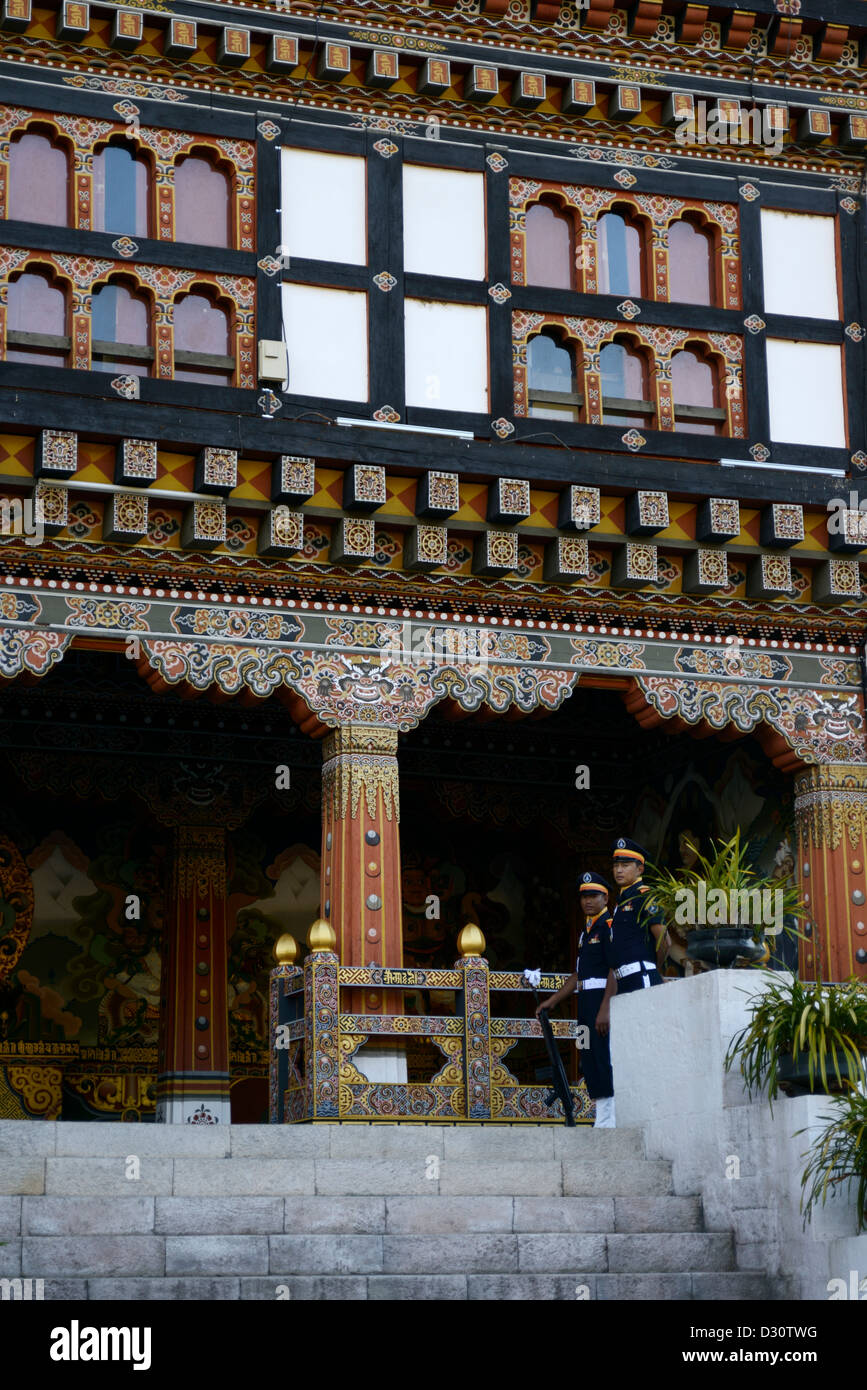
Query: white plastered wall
x=805, y=393
x=323, y=206
x=446, y=356
x=326, y=338
x=799, y=264
x=443, y=222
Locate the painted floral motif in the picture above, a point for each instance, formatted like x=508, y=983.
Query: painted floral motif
x=497, y=163
x=502, y=428
x=164, y=280
x=82, y=131
x=384, y=281
x=523, y=323
x=728, y=344
x=165, y=143
x=753, y=324
x=659, y=209
x=522, y=189
x=625, y=178
x=81, y=270
x=28, y=649
x=240, y=152
x=126, y=386
x=190, y=621
x=633, y=440
x=128, y=615
x=10, y=259
x=499, y=293
x=268, y=130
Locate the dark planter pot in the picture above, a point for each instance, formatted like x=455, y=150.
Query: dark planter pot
x=794, y=1075
x=720, y=947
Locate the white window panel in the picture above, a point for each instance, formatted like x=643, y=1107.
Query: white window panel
x=443, y=222
x=805, y=386
x=326, y=335
x=799, y=264
x=446, y=356
x=324, y=202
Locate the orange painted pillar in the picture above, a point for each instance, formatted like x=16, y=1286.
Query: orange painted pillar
x=361, y=888
x=831, y=830
x=193, y=1079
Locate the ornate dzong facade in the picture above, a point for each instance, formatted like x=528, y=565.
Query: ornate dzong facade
x=430, y=445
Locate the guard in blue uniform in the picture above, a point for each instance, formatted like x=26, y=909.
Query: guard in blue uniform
x=594, y=985
x=637, y=938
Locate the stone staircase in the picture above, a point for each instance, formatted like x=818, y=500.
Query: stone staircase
x=112, y=1211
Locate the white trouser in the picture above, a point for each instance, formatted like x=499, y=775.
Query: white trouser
x=604, y=1113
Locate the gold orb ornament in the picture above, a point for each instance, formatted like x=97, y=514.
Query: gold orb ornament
x=471, y=941
x=286, y=949
x=321, y=936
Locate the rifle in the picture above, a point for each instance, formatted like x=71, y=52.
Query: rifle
x=561, y=1090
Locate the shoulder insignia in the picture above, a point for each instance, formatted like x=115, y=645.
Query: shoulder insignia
x=643, y=888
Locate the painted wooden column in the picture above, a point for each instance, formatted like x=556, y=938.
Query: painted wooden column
x=361, y=887
x=193, y=1081
x=361, y=844
x=831, y=829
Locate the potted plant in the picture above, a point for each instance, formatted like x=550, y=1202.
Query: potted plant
x=802, y=1036
x=839, y=1155
x=724, y=906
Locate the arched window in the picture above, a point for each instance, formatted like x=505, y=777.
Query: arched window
x=620, y=255
x=690, y=263
x=695, y=387
x=202, y=342
x=202, y=203
x=38, y=181
x=121, y=192
x=36, y=322
x=551, y=386
x=121, y=331
x=625, y=391
x=549, y=247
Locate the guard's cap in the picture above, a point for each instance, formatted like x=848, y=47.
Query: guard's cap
x=593, y=883
x=628, y=849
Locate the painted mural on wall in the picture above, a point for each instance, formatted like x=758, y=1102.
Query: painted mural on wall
x=271, y=891
x=89, y=972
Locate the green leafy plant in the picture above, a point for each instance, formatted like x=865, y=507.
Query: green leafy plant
x=810, y=1022
x=838, y=1155
x=728, y=867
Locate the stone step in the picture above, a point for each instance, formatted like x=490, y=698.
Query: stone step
x=323, y=1215
x=497, y=1252
x=26, y=1139
x=124, y=1175
x=710, y=1287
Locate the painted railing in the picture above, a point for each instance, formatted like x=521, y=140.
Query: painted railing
x=313, y=1073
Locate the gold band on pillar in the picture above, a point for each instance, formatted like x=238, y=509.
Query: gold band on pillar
x=831, y=824
x=359, y=761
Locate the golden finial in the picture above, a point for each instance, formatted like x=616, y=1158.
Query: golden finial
x=286, y=949
x=471, y=942
x=321, y=936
